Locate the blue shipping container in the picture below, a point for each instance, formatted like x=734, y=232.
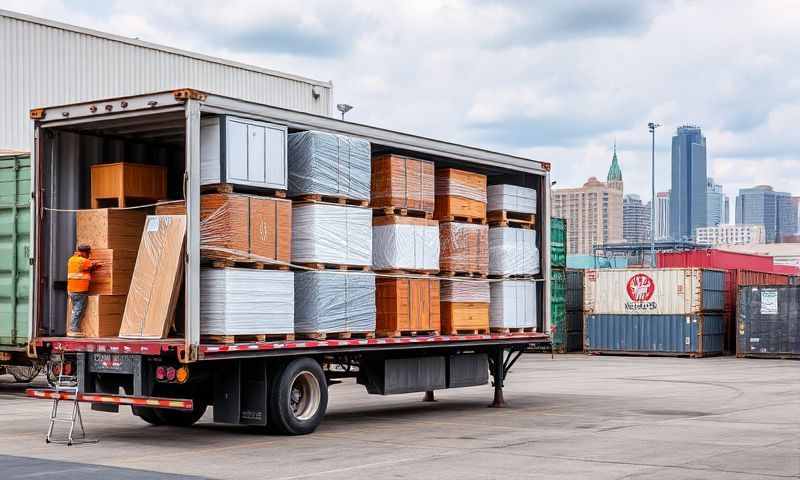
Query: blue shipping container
x=695, y=335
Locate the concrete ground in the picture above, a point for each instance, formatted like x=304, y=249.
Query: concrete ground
x=572, y=417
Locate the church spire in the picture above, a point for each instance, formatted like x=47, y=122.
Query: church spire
x=614, y=172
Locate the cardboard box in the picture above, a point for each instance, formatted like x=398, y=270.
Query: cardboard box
x=110, y=228
x=157, y=278
x=102, y=317
x=113, y=276
x=407, y=305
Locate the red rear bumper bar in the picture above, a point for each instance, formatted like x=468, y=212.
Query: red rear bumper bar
x=152, y=402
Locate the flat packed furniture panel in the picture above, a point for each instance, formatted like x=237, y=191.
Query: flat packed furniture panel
x=511, y=198
x=113, y=275
x=459, y=195
x=333, y=234
x=465, y=306
x=513, y=304
x=464, y=248
x=108, y=228
x=512, y=251
x=400, y=182
x=407, y=305
x=118, y=183
x=334, y=302
x=405, y=243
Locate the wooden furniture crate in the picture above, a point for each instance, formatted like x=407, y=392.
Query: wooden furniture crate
x=464, y=317
x=110, y=228
x=400, y=182
x=407, y=306
x=102, y=317
x=114, y=184
x=460, y=195
x=113, y=276
x=241, y=228
x=464, y=248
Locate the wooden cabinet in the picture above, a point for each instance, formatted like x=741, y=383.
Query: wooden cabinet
x=118, y=184
x=407, y=306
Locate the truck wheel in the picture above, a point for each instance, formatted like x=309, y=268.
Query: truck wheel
x=180, y=418
x=298, y=397
x=148, y=415
x=24, y=373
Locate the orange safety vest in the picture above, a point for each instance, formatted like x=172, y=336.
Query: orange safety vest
x=78, y=274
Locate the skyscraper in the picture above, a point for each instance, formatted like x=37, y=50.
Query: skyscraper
x=715, y=204
x=635, y=219
x=687, y=206
x=762, y=205
x=727, y=212
x=662, y=215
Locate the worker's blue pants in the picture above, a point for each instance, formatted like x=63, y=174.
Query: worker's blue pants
x=78, y=307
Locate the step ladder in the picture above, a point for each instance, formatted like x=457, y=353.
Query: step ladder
x=66, y=384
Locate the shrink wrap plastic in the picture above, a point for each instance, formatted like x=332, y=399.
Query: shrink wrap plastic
x=453, y=185
x=512, y=251
x=465, y=291
x=246, y=301
x=405, y=246
x=464, y=247
x=329, y=233
x=328, y=164
x=402, y=182
x=334, y=302
x=512, y=198
x=513, y=304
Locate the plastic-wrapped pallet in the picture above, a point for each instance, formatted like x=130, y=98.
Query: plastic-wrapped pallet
x=334, y=301
x=464, y=247
x=513, y=304
x=405, y=243
x=330, y=233
x=512, y=251
x=328, y=164
x=512, y=198
x=246, y=301
x=465, y=291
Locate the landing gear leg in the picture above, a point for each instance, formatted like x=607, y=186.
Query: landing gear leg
x=498, y=375
x=429, y=396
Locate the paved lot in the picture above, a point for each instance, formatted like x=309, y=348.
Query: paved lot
x=573, y=417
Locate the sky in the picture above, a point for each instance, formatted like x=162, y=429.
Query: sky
x=557, y=81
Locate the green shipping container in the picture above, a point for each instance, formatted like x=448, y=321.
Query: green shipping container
x=15, y=200
x=558, y=242
x=558, y=308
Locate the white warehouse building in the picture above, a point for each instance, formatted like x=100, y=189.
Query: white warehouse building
x=735, y=234
x=47, y=63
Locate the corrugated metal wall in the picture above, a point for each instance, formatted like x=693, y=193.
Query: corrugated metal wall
x=43, y=65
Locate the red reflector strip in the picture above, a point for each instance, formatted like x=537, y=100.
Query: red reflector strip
x=155, y=402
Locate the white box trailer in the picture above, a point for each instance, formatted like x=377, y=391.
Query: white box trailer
x=248, y=383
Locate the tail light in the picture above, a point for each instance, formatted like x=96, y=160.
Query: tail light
x=182, y=375
x=171, y=374
x=161, y=373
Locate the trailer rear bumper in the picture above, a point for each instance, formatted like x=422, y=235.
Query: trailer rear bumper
x=104, y=398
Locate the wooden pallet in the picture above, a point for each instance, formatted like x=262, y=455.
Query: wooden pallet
x=403, y=212
x=510, y=331
x=334, y=266
x=467, y=331
x=504, y=218
x=265, y=337
x=335, y=335
x=458, y=218
x=235, y=263
x=331, y=199
x=407, y=333
x=463, y=274
x=231, y=188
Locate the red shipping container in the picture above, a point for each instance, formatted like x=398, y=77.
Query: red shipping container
x=712, y=258
x=786, y=270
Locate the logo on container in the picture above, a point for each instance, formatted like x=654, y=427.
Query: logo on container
x=640, y=289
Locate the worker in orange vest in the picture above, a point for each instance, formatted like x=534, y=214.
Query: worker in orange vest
x=79, y=276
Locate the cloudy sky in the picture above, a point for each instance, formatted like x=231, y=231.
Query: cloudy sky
x=554, y=80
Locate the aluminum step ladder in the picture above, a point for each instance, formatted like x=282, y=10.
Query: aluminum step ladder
x=66, y=384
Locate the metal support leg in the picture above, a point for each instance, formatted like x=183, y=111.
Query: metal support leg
x=498, y=375
x=429, y=396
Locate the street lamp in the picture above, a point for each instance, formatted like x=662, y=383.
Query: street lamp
x=652, y=126
x=344, y=108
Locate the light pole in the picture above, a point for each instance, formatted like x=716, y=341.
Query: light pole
x=344, y=108
x=652, y=126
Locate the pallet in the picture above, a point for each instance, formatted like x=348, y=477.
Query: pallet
x=463, y=274
x=459, y=218
x=407, y=272
x=504, y=218
x=510, y=331
x=333, y=266
x=467, y=331
x=331, y=199
x=265, y=337
x=403, y=212
x=231, y=188
x=334, y=335
x=407, y=333
x=254, y=264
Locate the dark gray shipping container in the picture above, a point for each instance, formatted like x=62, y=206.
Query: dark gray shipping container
x=574, y=294
x=693, y=335
x=768, y=323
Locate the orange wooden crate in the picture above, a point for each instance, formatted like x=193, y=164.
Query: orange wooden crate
x=459, y=194
x=464, y=248
x=406, y=305
x=115, y=183
x=239, y=227
x=103, y=315
x=460, y=316
x=402, y=182
x=113, y=276
x=109, y=228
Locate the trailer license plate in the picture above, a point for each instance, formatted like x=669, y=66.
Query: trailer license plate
x=111, y=363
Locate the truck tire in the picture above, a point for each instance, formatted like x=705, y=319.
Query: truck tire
x=148, y=415
x=180, y=418
x=298, y=397
x=24, y=373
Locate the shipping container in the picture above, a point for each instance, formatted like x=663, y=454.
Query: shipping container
x=713, y=258
x=659, y=334
x=558, y=308
x=574, y=308
x=653, y=291
x=768, y=322
x=558, y=242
